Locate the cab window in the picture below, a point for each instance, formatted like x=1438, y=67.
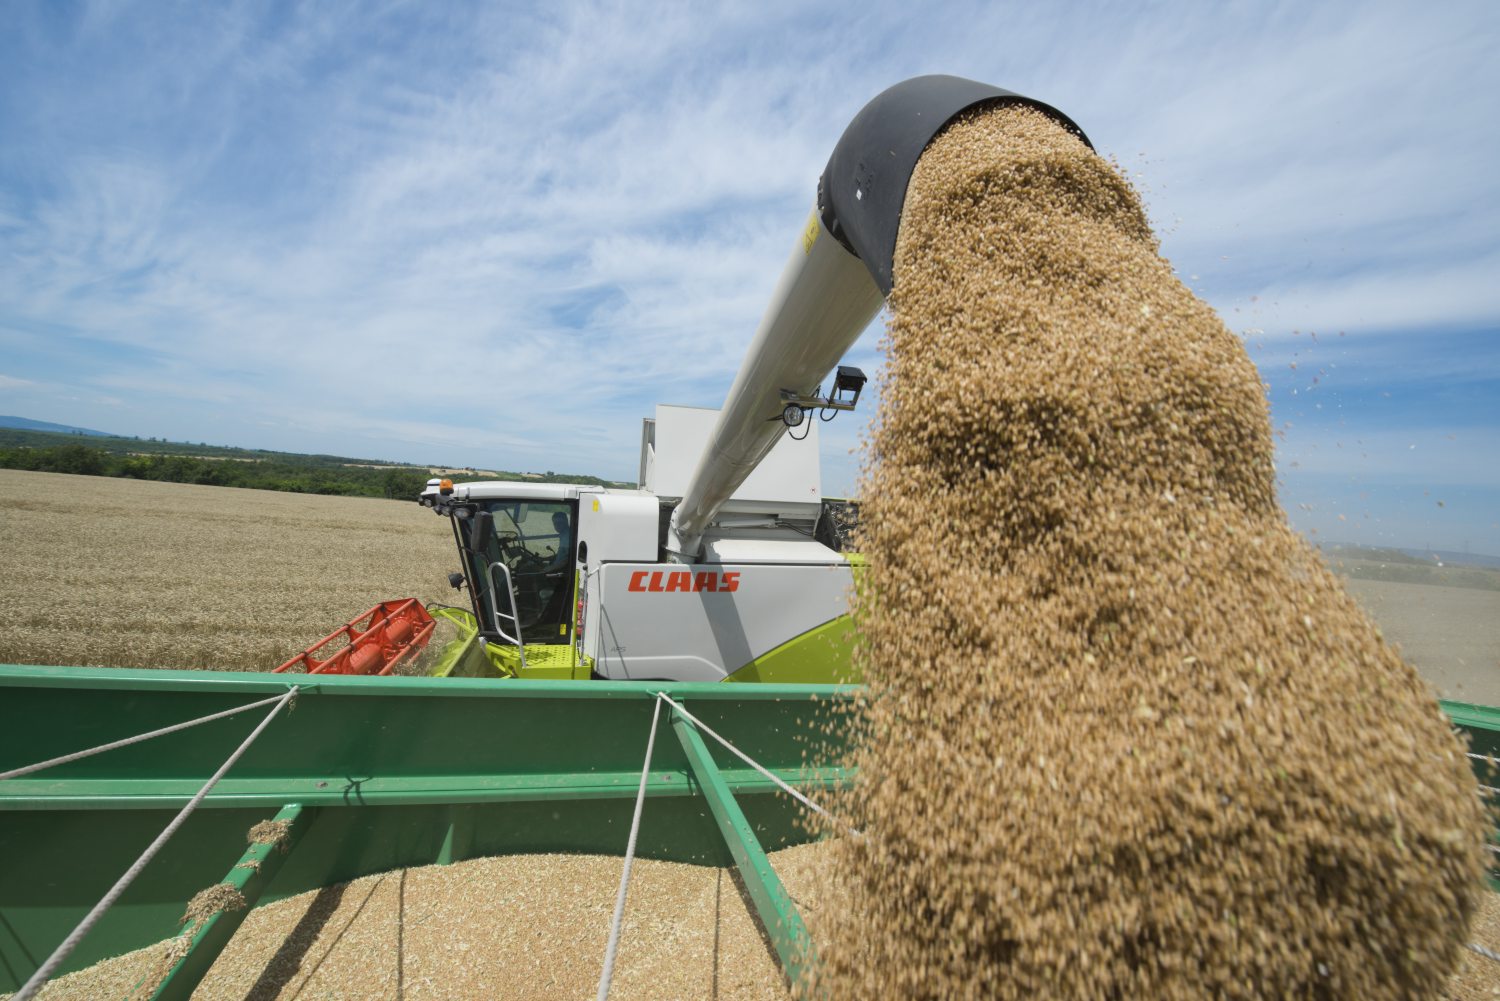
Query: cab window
x=535, y=540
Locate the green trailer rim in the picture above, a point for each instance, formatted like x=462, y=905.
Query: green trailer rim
x=388, y=772
x=372, y=774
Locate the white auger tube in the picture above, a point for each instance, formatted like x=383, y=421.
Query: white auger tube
x=839, y=274
x=824, y=300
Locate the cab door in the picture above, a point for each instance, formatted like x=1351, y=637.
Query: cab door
x=537, y=541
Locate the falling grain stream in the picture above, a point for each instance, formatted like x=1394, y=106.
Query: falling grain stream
x=1125, y=735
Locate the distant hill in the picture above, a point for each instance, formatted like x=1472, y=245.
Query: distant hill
x=1412, y=557
x=1449, y=557
x=27, y=424
x=1414, y=566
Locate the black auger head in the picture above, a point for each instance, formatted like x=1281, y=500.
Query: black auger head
x=863, y=188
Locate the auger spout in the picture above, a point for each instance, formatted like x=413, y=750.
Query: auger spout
x=833, y=285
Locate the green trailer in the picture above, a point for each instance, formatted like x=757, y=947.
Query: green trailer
x=367, y=774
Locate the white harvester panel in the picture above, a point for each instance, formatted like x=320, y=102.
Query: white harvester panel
x=618, y=526
x=790, y=474
x=703, y=622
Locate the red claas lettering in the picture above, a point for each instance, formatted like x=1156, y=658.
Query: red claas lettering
x=683, y=580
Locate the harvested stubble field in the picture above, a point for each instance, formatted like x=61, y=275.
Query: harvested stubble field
x=127, y=573
x=1451, y=634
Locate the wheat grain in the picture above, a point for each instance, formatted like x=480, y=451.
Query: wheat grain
x=1124, y=734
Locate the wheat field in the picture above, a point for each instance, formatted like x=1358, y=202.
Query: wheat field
x=127, y=573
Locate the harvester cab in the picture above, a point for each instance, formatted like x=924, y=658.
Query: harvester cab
x=529, y=543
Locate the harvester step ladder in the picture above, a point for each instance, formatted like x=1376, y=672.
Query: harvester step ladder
x=514, y=616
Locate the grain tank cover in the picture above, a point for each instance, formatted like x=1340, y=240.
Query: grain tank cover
x=863, y=188
x=787, y=481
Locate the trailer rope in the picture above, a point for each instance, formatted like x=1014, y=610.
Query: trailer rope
x=795, y=794
x=635, y=826
x=60, y=954
x=1486, y=953
x=16, y=773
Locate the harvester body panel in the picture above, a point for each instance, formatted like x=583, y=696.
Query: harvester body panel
x=762, y=596
x=705, y=621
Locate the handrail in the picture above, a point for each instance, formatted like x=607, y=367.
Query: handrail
x=515, y=611
x=581, y=621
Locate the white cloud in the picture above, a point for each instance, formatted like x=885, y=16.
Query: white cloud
x=387, y=222
x=1407, y=298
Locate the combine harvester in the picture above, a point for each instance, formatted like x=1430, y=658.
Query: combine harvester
x=594, y=615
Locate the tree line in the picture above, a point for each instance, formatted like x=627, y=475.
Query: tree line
x=308, y=475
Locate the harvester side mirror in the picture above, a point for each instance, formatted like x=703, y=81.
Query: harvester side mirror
x=481, y=531
x=456, y=581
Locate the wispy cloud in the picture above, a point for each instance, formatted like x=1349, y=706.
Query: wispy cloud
x=491, y=236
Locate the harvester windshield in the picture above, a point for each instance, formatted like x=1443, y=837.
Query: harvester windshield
x=534, y=540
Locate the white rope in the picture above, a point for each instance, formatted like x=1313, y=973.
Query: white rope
x=1486, y=953
x=635, y=827
x=16, y=773
x=61, y=953
x=753, y=763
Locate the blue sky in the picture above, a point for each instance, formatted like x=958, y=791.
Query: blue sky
x=497, y=235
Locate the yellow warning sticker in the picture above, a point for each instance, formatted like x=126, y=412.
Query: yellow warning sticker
x=596, y=503
x=810, y=234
